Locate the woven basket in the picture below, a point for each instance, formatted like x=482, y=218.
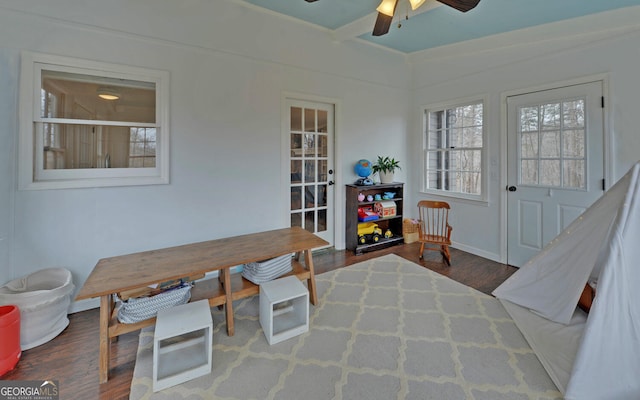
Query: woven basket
x=137, y=309
x=410, y=229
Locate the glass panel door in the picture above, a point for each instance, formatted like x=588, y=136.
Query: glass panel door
x=311, y=171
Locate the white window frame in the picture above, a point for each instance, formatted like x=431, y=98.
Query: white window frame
x=483, y=151
x=31, y=173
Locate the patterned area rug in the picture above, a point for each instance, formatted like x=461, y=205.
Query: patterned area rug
x=385, y=328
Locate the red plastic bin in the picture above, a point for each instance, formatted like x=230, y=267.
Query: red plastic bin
x=10, y=351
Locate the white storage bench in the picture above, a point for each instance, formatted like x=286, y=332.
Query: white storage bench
x=182, y=344
x=284, y=309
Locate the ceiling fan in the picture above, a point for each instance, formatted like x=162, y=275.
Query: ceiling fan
x=387, y=9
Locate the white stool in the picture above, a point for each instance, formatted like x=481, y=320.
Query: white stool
x=284, y=309
x=182, y=344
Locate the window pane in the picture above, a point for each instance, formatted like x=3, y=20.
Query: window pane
x=309, y=196
x=296, y=145
x=550, y=172
x=309, y=221
x=452, y=182
x=296, y=198
x=573, y=113
x=551, y=116
x=470, y=182
x=296, y=219
x=322, y=121
x=309, y=144
x=435, y=140
x=529, y=145
x=550, y=144
x=433, y=160
x=142, y=147
x=79, y=146
x=456, y=138
x=296, y=171
x=470, y=160
x=529, y=119
x=574, y=143
x=574, y=173
x=323, y=150
x=309, y=120
x=80, y=96
x=435, y=127
x=322, y=221
x=472, y=137
x=322, y=195
x=452, y=160
x=296, y=119
x=322, y=171
x=433, y=180
x=310, y=171
x=529, y=172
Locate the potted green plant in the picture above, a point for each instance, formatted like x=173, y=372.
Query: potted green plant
x=386, y=167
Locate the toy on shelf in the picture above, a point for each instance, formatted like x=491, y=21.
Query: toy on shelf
x=385, y=208
x=361, y=197
x=388, y=195
x=363, y=170
x=367, y=213
x=369, y=232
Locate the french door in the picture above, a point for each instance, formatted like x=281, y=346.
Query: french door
x=311, y=172
x=555, y=163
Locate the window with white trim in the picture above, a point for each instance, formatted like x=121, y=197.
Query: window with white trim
x=454, y=150
x=91, y=124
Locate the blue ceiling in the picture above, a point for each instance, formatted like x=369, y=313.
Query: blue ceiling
x=434, y=24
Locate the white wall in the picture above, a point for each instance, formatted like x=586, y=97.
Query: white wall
x=229, y=67
x=603, y=45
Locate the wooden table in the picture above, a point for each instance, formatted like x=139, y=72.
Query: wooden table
x=115, y=274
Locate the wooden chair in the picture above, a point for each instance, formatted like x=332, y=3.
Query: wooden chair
x=435, y=228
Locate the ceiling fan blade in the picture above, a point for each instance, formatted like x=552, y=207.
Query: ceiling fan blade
x=383, y=23
x=311, y=1
x=386, y=11
x=461, y=5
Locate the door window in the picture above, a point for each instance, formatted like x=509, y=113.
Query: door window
x=552, y=139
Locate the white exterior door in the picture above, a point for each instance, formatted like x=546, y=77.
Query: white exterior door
x=555, y=163
x=311, y=172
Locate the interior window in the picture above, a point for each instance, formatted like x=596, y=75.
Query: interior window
x=92, y=124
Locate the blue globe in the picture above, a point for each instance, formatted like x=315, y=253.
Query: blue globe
x=363, y=168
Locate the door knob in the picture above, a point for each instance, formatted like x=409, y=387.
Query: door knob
x=331, y=183
x=512, y=188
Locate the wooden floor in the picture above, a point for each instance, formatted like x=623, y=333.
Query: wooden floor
x=72, y=357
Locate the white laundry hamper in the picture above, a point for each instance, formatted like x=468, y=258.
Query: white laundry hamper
x=43, y=298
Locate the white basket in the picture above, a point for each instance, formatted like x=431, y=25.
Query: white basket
x=43, y=298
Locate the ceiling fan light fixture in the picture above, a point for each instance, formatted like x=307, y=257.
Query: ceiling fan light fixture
x=387, y=7
x=416, y=3
x=108, y=94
